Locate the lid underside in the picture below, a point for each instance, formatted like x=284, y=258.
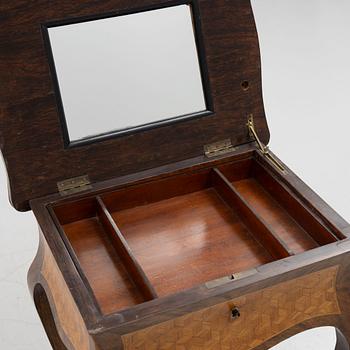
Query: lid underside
x=31, y=135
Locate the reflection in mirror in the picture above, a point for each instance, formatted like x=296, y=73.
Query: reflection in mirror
x=322, y=338
x=122, y=72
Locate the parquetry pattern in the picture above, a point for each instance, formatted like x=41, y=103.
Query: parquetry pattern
x=264, y=314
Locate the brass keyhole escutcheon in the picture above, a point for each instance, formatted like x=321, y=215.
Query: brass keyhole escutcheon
x=235, y=313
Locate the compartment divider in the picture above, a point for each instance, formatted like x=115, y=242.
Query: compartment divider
x=262, y=232
x=310, y=223
x=134, y=269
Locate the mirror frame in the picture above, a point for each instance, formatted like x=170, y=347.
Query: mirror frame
x=141, y=128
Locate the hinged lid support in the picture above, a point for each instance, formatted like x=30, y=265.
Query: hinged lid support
x=74, y=185
x=263, y=148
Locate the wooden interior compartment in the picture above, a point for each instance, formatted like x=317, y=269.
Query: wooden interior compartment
x=149, y=240
x=102, y=256
x=184, y=232
x=287, y=216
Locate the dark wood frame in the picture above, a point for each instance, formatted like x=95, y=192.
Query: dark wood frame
x=36, y=157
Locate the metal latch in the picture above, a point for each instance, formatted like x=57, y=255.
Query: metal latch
x=74, y=185
x=227, y=279
x=218, y=148
x=263, y=149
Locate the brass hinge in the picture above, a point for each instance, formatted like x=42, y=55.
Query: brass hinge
x=263, y=148
x=218, y=148
x=74, y=185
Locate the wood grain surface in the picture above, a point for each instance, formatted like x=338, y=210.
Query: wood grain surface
x=297, y=239
x=79, y=210
x=188, y=240
x=88, y=298
x=31, y=137
x=163, y=237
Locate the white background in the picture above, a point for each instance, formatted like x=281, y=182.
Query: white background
x=306, y=73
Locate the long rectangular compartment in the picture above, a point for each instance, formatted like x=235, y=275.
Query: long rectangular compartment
x=150, y=240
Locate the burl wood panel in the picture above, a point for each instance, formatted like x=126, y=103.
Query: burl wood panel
x=264, y=314
x=297, y=239
x=66, y=314
x=187, y=240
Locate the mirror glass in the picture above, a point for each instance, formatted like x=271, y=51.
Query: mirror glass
x=126, y=72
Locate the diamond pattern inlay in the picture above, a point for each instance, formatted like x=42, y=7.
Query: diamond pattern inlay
x=264, y=314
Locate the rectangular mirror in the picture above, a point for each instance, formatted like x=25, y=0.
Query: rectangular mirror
x=126, y=73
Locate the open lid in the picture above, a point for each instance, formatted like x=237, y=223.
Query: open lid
x=35, y=136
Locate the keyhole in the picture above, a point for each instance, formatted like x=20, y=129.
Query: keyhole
x=235, y=313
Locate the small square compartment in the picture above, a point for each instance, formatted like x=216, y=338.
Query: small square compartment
x=96, y=257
